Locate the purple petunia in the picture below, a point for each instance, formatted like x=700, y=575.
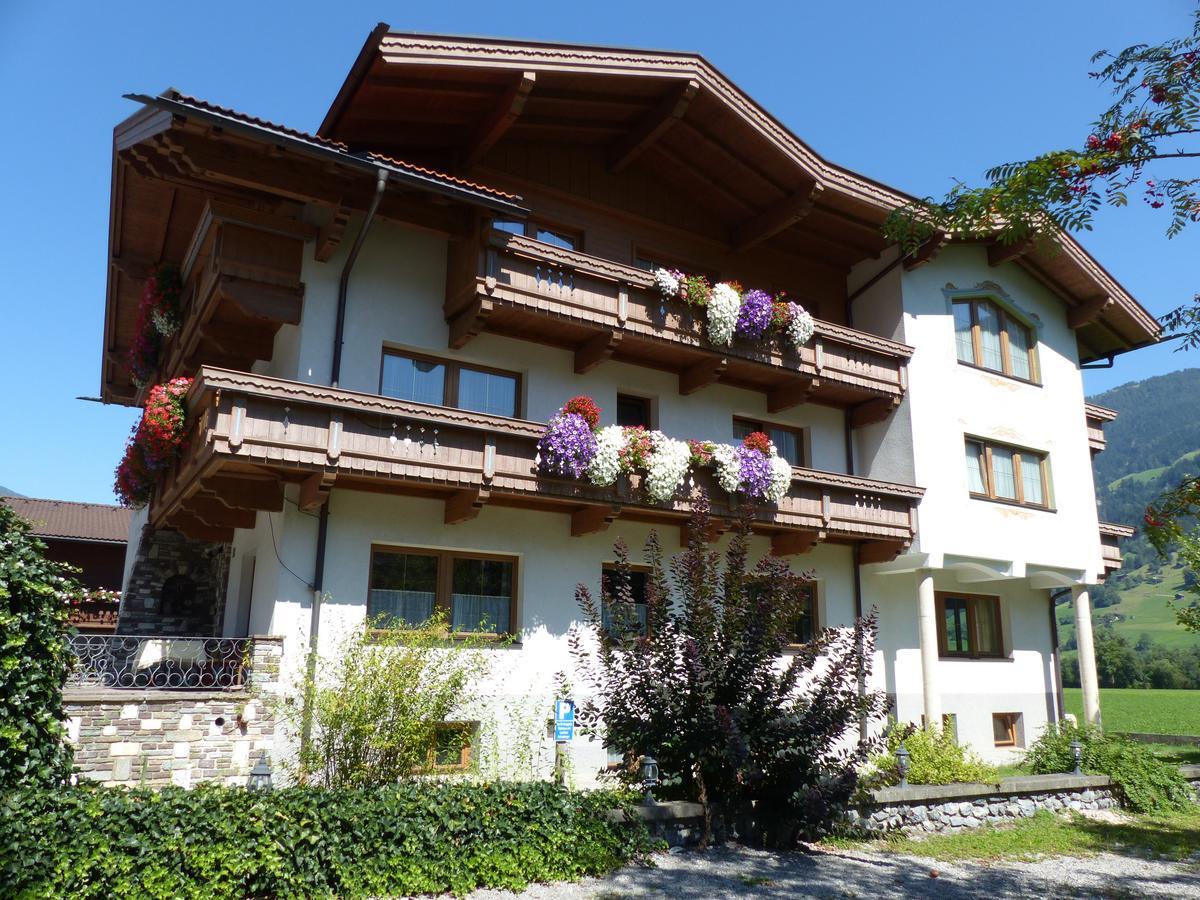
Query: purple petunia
x=755, y=470
x=568, y=446
x=754, y=317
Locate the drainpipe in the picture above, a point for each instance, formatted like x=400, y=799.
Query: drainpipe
x=1061, y=707
x=314, y=625
x=863, y=723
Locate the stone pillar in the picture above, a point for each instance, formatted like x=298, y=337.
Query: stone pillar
x=1087, y=654
x=928, y=629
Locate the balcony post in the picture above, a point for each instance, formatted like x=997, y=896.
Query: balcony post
x=928, y=633
x=1087, y=654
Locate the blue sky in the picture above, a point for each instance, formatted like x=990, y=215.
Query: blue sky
x=911, y=94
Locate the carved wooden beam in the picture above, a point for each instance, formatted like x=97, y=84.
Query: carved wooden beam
x=794, y=542
x=653, y=125
x=213, y=512
x=502, y=118
x=245, y=493
x=137, y=268
x=331, y=234
x=926, y=253
x=590, y=519
x=702, y=374
x=1088, y=312
x=596, y=350
x=872, y=411
x=777, y=217
x=314, y=490
x=879, y=551
x=998, y=253
x=469, y=322
x=273, y=302
x=792, y=394
x=463, y=506
x=191, y=527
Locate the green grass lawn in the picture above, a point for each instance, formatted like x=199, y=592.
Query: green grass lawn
x=1174, y=836
x=1143, y=610
x=1132, y=709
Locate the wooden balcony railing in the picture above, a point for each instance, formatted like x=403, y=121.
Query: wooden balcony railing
x=1110, y=544
x=241, y=283
x=1096, y=417
x=251, y=434
x=514, y=285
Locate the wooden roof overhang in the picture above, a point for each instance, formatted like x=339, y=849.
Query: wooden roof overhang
x=680, y=119
x=177, y=156
x=249, y=435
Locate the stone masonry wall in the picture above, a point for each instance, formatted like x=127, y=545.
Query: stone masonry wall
x=160, y=737
x=200, y=571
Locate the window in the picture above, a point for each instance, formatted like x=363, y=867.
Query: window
x=807, y=624
x=1006, y=728
x=1010, y=474
x=619, y=623
x=633, y=411
x=451, y=748
x=447, y=383
x=987, y=336
x=789, y=442
x=476, y=591
x=970, y=626
x=541, y=231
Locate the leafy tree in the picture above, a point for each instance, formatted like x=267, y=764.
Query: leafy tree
x=1137, y=144
x=711, y=695
x=34, y=658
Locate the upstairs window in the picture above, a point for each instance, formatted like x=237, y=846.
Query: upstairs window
x=633, y=411
x=989, y=337
x=565, y=238
x=439, y=382
x=970, y=626
x=789, y=442
x=1008, y=474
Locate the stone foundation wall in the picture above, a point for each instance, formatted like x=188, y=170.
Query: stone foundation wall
x=950, y=808
x=159, y=737
x=194, y=605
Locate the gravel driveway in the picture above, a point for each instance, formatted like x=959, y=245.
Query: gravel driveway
x=739, y=872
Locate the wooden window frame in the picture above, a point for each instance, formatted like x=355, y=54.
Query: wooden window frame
x=464, y=755
x=444, y=584
x=972, y=600
x=453, y=370
x=1004, y=317
x=532, y=226
x=651, y=418
x=605, y=568
x=763, y=425
x=989, y=476
x=669, y=261
x=816, y=616
x=1012, y=727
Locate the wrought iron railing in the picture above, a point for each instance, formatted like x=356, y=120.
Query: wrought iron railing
x=171, y=663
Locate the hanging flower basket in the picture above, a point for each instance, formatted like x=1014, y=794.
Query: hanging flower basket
x=154, y=443
x=159, y=316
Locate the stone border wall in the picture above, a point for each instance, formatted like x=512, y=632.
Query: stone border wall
x=154, y=737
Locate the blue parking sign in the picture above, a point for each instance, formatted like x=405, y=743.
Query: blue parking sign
x=564, y=720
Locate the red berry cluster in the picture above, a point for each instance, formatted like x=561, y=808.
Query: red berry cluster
x=1154, y=196
x=586, y=408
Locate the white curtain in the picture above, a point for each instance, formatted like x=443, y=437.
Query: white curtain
x=406, y=607
x=479, y=612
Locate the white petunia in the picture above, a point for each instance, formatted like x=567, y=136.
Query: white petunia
x=723, y=307
x=606, y=464
x=800, y=328
x=728, y=466
x=667, y=467
x=781, y=478
x=667, y=282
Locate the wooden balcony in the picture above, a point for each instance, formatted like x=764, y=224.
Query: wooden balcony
x=516, y=286
x=249, y=435
x=241, y=284
x=1096, y=417
x=1110, y=544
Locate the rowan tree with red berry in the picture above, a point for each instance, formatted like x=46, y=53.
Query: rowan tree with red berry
x=1141, y=145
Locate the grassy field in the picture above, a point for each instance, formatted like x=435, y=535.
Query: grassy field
x=1129, y=709
x=1142, y=610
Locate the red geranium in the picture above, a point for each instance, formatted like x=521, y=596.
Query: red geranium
x=158, y=317
x=781, y=314
x=153, y=444
x=756, y=440
x=584, y=407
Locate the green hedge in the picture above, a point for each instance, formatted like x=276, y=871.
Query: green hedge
x=216, y=842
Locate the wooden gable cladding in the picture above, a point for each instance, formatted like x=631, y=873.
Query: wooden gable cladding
x=1096, y=417
x=513, y=285
x=248, y=431
x=241, y=284
x=1111, y=536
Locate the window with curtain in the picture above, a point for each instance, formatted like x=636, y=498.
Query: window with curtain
x=789, y=442
x=1010, y=474
x=988, y=336
x=477, y=593
x=632, y=411
x=634, y=621
x=443, y=382
x=970, y=626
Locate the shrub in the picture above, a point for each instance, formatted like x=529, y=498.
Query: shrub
x=934, y=758
x=1146, y=783
x=34, y=657
x=221, y=842
x=707, y=695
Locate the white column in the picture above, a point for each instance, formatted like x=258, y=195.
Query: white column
x=928, y=629
x=1087, y=654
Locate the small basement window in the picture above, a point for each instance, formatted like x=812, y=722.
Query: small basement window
x=451, y=750
x=1006, y=729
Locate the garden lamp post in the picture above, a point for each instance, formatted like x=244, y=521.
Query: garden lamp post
x=260, y=775
x=1077, y=753
x=902, y=764
x=649, y=778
